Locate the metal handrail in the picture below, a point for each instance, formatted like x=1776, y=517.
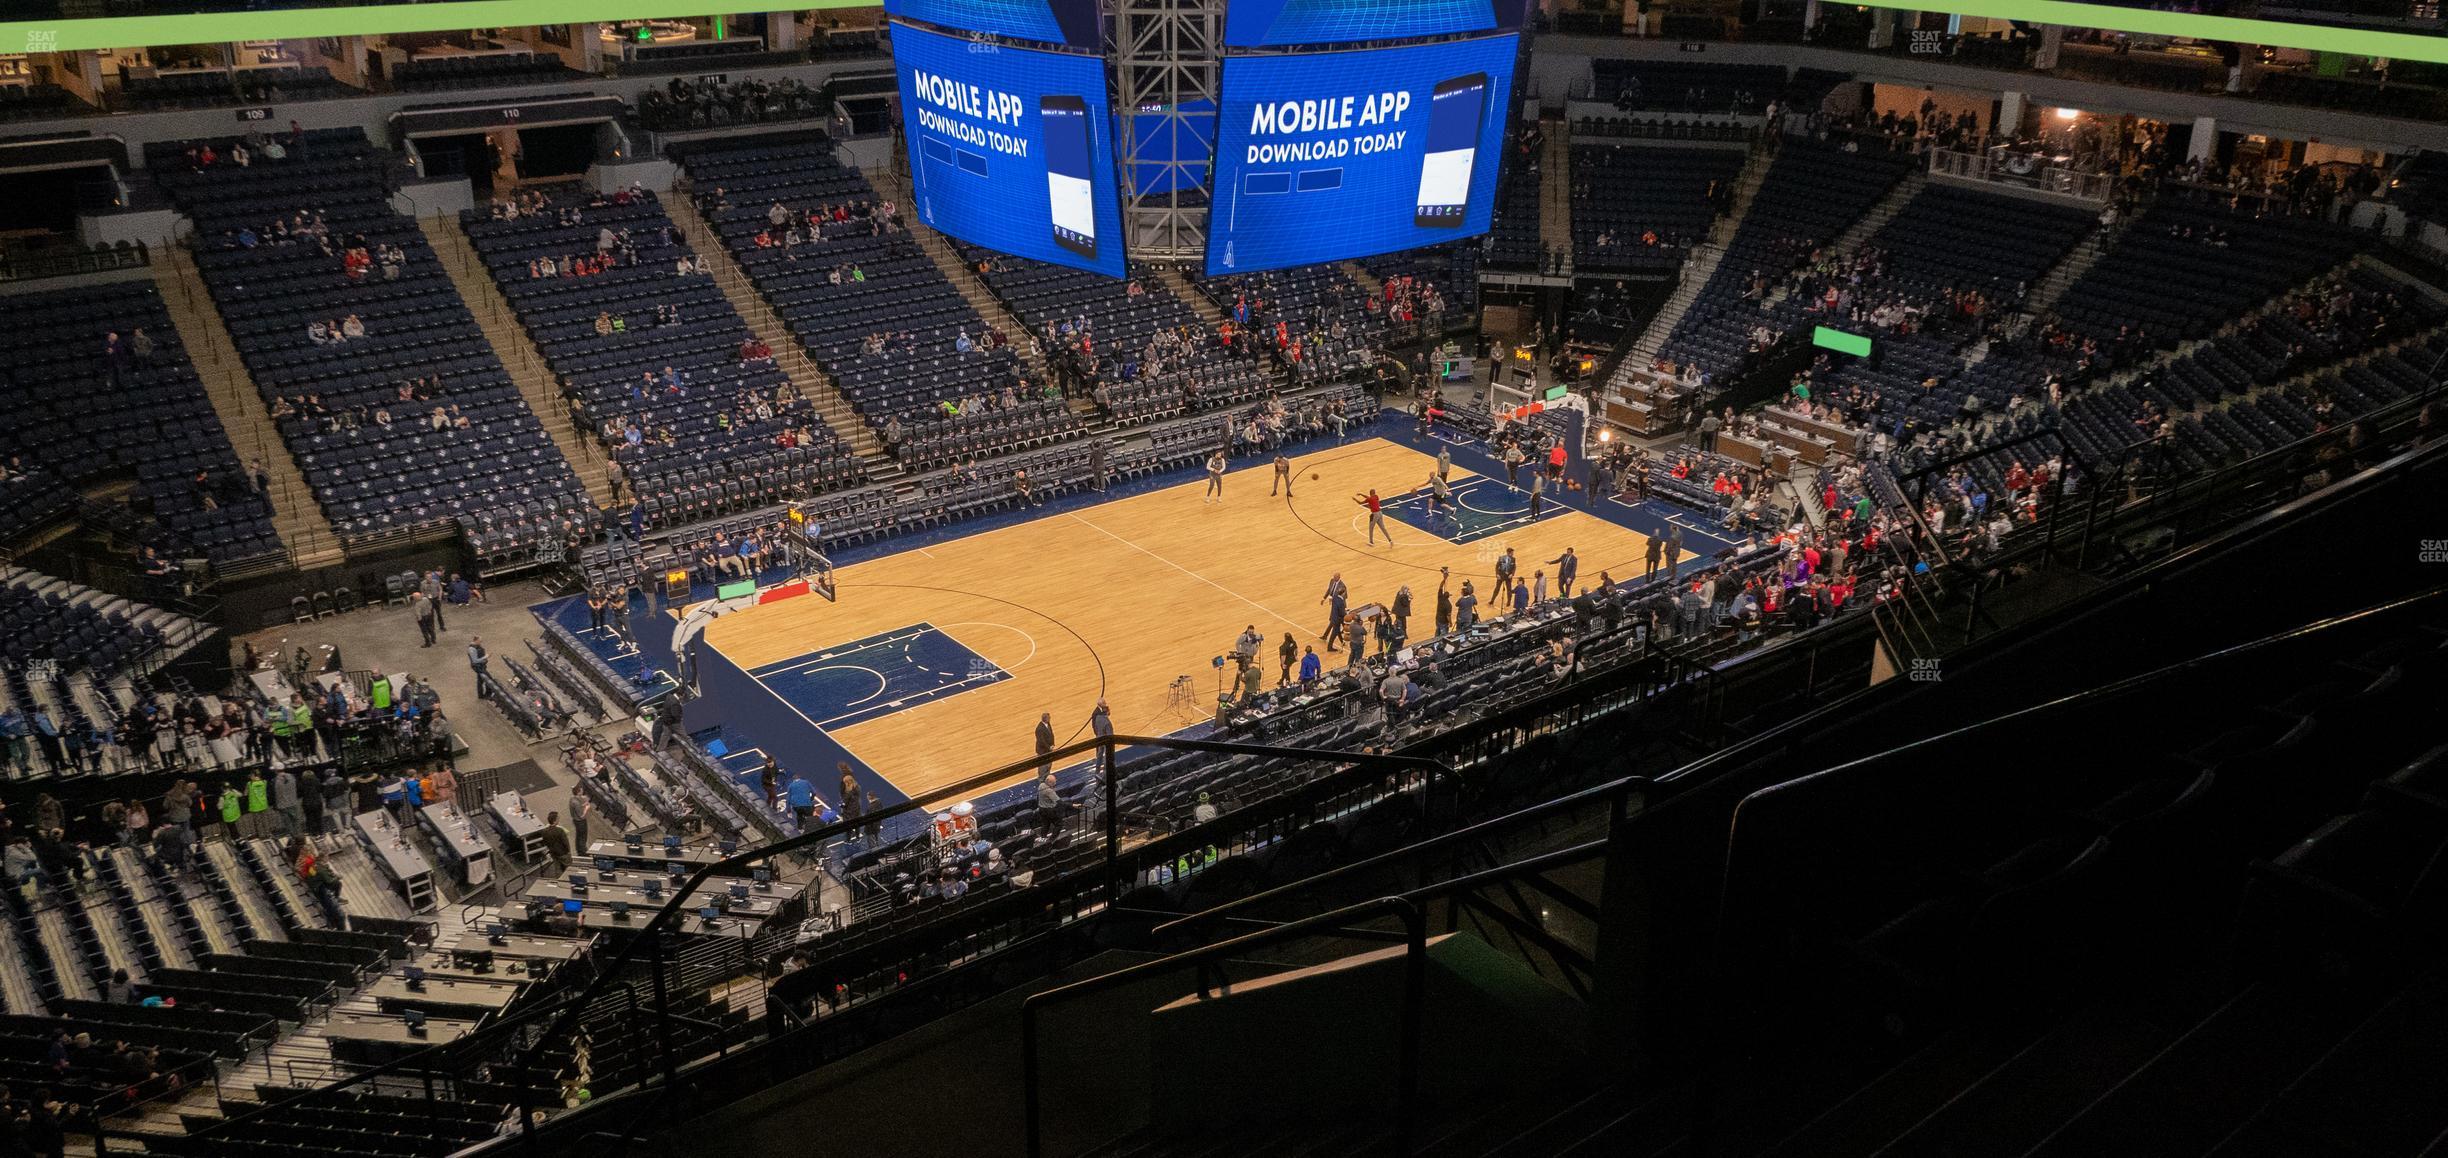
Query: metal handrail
x=570, y=1008
x=1617, y=794
x=1415, y=982
x=651, y=934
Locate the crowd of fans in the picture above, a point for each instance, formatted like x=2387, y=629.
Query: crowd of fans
x=709, y=102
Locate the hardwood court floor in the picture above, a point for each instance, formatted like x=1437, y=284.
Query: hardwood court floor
x=1118, y=600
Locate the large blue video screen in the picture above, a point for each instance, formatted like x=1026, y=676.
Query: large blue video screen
x=1011, y=149
x=1275, y=23
x=1174, y=145
x=1073, y=22
x=1324, y=156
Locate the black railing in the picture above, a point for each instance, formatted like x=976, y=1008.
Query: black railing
x=1407, y=1046
x=524, y=1049
x=99, y=259
x=1029, y=922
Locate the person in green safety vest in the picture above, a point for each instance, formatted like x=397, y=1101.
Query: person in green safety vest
x=378, y=693
x=230, y=805
x=258, y=799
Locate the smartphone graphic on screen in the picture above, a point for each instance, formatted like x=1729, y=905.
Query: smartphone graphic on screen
x=1067, y=182
x=1454, y=110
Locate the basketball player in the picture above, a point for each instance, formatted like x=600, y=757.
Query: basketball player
x=1283, y=477
x=1215, y=477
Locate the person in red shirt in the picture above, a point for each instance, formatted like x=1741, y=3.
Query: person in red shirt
x=1376, y=516
x=1555, y=462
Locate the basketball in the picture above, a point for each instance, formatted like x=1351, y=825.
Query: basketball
x=1313, y=476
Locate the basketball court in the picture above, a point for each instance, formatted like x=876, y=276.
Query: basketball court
x=935, y=662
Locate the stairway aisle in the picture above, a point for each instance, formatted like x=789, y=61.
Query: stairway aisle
x=1199, y=303
x=519, y=356
x=111, y=932
x=212, y=925
x=296, y=516
x=1368, y=282
x=796, y=360
x=153, y=910
x=364, y=890
x=892, y=185
x=1555, y=189
x=53, y=939
x=221, y=858
x=1860, y=232
x=2061, y=277
x=17, y=989
x=1704, y=260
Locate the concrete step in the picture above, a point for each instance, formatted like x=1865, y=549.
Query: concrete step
x=1369, y=283
x=296, y=516
x=796, y=360
x=1182, y=287
x=517, y=351
x=1704, y=260
x=1555, y=188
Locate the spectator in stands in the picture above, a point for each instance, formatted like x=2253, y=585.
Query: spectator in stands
x=46, y=733
x=24, y=868
x=320, y=880
x=333, y=791
x=1049, y=803
x=133, y=823
x=291, y=814
x=13, y=733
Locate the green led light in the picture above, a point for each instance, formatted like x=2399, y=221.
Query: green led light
x=366, y=20
x=1840, y=341
x=2279, y=33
